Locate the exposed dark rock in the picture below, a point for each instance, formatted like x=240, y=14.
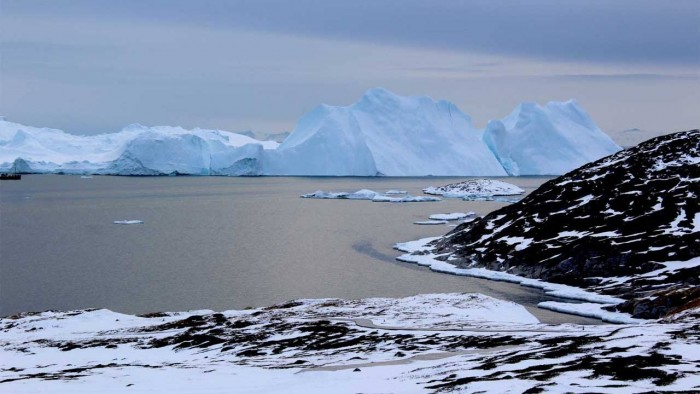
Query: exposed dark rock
x=620, y=216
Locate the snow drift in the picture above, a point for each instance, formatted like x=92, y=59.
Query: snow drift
x=381, y=134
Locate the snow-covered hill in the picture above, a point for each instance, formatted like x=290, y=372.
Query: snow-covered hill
x=425, y=343
x=626, y=226
x=381, y=134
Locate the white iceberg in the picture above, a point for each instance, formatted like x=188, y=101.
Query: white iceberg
x=135, y=150
x=380, y=134
x=549, y=140
x=384, y=134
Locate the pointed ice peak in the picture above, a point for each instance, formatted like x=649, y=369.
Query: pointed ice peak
x=573, y=111
x=134, y=127
x=383, y=95
x=530, y=106
x=527, y=106
x=379, y=98
x=379, y=93
x=20, y=136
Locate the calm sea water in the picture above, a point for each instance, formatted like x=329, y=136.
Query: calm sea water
x=219, y=243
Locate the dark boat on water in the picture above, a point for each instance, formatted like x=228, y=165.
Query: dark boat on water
x=10, y=177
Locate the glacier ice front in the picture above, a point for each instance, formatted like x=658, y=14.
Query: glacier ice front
x=380, y=134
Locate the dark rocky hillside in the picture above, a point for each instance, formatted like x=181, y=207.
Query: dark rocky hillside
x=605, y=226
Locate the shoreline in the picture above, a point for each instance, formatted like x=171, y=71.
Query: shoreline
x=590, y=306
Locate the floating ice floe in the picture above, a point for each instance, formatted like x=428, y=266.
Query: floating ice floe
x=366, y=194
x=395, y=192
x=430, y=222
x=320, y=194
x=86, y=177
x=474, y=189
x=128, y=222
x=452, y=216
x=363, y=194
x=407, y=198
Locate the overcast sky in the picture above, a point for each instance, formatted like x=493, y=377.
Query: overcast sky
x=90, y=66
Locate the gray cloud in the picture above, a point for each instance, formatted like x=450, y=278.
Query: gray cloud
x=627, y=76
x=635, y=31
x=95, y=65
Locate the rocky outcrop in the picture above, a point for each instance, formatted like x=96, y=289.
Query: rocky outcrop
x=616, y=226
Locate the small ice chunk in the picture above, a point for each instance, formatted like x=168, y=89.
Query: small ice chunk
x=393, y=191
x=326, y=195
x=407, y=198
x=364, y=194
x=128, y=222
x=451, y=216
x=430, y=222
x=86, y=177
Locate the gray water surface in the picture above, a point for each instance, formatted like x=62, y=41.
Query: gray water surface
x=220, y=243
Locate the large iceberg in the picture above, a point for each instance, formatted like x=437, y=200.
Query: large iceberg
x=381, y=134
x=549, y=140
x=385, y=134
x=135, y=150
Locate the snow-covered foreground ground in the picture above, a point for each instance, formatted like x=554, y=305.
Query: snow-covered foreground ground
x=425, y=343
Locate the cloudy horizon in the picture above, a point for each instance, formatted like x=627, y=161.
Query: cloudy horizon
x=95, y=66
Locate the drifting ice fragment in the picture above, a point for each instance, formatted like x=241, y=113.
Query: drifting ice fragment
x=407, y=198
x=451, y=216
x=128, y=222
x=365, y=194
x=430, y=222
x=326, y=195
